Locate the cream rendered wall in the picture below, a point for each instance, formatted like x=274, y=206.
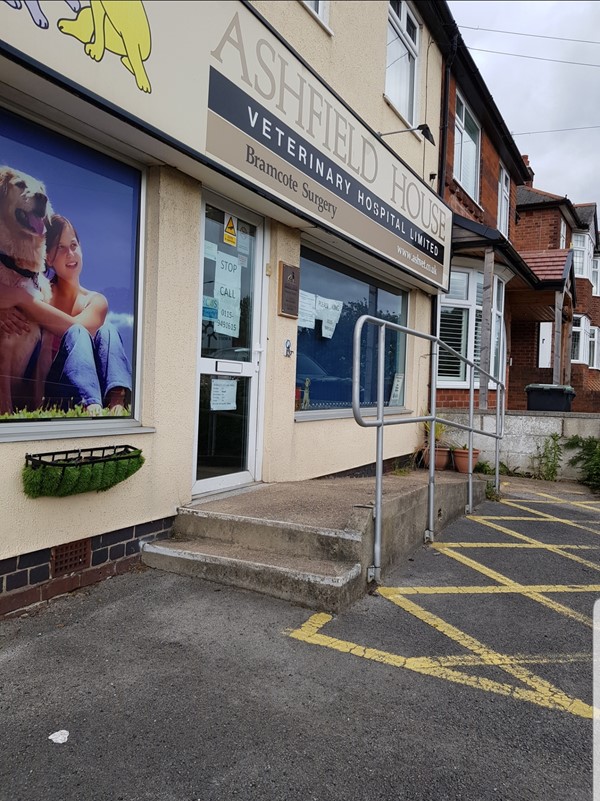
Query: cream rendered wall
x=168, y=376
x=305, y=449
x=352, y=60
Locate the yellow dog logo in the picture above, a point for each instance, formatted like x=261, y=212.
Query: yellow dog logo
x=119, y=26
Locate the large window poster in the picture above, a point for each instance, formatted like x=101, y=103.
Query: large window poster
x=69, y=229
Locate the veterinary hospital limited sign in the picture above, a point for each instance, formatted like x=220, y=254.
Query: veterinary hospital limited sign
x=213, y=78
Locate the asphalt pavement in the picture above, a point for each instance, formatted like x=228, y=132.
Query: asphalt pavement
x=466, y=677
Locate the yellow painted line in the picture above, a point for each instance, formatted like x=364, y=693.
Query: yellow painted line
x=471, y=660
x=496, y=589
x=534, y=596
x=537, y=544
x=552, y=519
x=556, y=549
x=548, y=695
x=545, y=696
x=532, y=517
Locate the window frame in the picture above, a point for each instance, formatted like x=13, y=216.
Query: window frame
x=582, y=329
x=355, y=271
x=319, y=9
x=595, y=275
x=399, y=24
x=503, y=201
x=587, y=253
x=76, y=428
x=459, y=124
x=562, y=242
x=474, y=312
x=594, y=349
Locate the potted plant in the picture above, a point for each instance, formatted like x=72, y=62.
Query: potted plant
x=461, y=458
x=441, y=448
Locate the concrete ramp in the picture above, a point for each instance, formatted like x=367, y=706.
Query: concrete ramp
x=308, y=542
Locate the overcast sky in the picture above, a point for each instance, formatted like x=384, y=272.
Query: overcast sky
x=541, y=95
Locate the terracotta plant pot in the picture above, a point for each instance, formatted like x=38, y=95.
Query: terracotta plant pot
x=461, y=459
x=442, y=457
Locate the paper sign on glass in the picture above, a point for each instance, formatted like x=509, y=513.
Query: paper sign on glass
x=210, y=308
x=306, y=310
x=223, y=395
x=210, y=251
x=243, y=235
x=329, y=311
x=396, y=393
x=228, y=271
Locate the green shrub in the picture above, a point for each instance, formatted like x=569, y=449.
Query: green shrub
x=587, y=460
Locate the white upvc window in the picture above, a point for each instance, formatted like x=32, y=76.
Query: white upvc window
x=503, y=201
x=594, y=354
x=596, y=276
x=320, y=9
x=583, y=251
x=563, y=234
x=460, y=326
x=402, y=60
x=581, y=339
x=467, y=143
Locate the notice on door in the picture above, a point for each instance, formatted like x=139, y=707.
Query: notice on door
x=228, y=283
x=223, y=395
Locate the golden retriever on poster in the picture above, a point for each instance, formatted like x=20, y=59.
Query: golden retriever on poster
x=24, y=214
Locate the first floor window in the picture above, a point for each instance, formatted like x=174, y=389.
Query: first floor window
x=503, y=201
x=332, y=298
x=460, y=326
x=467, y=137
x=563, y=234
x=320, y=7
x=581, y=338
x=79, y=211
x=582, y=254
x=402, y=55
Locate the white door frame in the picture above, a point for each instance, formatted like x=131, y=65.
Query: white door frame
x=253, y=370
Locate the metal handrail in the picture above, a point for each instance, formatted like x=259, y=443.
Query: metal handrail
x=381, y=420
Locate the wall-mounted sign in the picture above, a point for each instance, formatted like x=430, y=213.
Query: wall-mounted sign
x=253, y=108
x=289, y=290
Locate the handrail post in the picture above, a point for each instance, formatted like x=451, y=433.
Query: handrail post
x=374, y=574
x=471, y=407
x=430, y=531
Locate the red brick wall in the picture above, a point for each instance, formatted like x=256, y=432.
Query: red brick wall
x=539, y=229
x=483, y=209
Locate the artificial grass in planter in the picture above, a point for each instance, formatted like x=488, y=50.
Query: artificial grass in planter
x=63, y=473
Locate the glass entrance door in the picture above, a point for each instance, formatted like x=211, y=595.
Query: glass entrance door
x=230, y=347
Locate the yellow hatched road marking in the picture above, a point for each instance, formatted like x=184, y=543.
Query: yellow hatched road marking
x=557, y=549
x=535, y=544
x=534, y=596
x=550, y=518
x=543, y=693
x=496, y=589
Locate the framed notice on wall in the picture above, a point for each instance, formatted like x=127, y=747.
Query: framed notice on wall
x=289, y=290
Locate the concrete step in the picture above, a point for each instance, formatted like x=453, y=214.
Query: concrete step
x=323, y=584
x=290, y=539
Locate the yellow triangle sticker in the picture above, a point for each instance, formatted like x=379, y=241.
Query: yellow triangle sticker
x=229, y=234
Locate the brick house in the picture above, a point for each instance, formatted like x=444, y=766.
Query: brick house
x=480, y=170
x=558, y=239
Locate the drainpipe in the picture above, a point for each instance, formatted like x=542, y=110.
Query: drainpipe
x=445, y=115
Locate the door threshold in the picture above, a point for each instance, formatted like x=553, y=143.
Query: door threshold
x=213, y=495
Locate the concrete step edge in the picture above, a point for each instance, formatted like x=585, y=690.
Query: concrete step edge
x=340, y=580
x=347, y=534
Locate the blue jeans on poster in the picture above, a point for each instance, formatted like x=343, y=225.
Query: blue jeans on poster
x=86, y=368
